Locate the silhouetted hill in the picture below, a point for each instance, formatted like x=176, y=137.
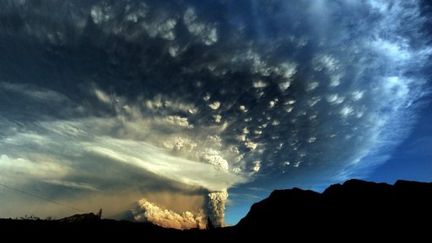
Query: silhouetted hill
x=81, y=218
x=358, y=209
x=354, y=207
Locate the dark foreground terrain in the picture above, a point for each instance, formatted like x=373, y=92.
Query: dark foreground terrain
x=355, y=209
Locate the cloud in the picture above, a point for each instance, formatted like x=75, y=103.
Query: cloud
x=78, y=139
x=207, y=33
x=34, y=92
x=102, y=96
x=149, y=212
x=77, y=185
x=157, y=161
x=43, y=168
x=178, y=121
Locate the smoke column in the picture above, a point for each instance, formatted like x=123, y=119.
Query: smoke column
x=216, y=207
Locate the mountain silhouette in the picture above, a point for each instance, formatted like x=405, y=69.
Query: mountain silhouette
x=354, y=207
x=359, y=209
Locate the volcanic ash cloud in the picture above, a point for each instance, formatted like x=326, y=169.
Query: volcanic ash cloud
x=149, y=212
x=216, y=207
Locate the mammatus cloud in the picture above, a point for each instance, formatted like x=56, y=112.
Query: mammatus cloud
x=102, y=96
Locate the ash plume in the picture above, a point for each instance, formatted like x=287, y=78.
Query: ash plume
x=216, y=207
x=149, y=212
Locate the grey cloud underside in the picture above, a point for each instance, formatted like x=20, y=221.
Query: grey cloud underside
x=206, y=94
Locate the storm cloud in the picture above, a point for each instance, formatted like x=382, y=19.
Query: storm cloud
x=104, y=96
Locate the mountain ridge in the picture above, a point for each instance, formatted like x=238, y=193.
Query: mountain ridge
x=354, y=203
x=354, y=207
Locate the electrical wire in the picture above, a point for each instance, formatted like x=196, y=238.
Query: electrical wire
x=31, y=194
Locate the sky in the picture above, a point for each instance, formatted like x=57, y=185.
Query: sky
x=173, y=112
x=411, y=160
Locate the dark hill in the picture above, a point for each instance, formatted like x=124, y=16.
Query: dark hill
x=359, y=209
x=353, y=208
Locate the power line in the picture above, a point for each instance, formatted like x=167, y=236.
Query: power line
x=40, y=197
